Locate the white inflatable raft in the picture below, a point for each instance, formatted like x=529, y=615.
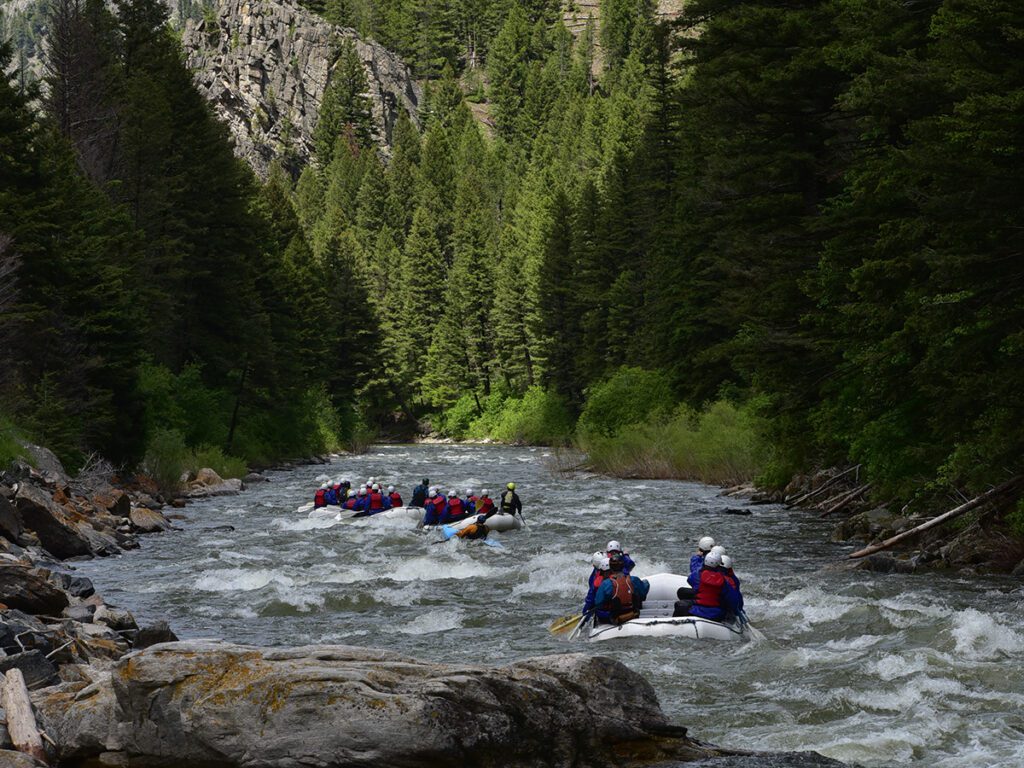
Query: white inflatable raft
x=498, y=523
x=415, y=514
x=656, y=618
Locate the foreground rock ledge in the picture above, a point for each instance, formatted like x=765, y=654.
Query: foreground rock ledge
x=209, y=703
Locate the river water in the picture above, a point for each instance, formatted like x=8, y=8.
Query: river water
x=874, y=669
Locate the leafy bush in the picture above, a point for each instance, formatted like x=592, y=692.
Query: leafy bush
x=1015, y=519
x=10, y=446
x=631, y=396
x=718, y=445
x=166, y=459
x=215, y=459
x=537, y=418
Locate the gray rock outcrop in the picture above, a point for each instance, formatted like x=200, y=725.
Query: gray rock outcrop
x=265, y=65
x=211, y=703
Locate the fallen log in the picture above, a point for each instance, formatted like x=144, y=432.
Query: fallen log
x=845, y=499
x=21, y=722
x=811, y=494
x=977, y=501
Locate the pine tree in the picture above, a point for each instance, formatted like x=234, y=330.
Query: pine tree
x=345, y=111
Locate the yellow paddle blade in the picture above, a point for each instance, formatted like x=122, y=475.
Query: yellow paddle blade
x=564, y=624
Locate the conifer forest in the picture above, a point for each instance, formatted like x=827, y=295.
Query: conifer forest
x=775, y=235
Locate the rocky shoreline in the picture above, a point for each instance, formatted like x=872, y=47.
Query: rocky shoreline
x=99, y=690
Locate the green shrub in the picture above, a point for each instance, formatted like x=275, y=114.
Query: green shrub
x=537, y=418
x=720, y=445
x=631, y=396
x=206, y=456
x=166, y=459
x=10, y=445
x=1015, y=519
x=456, y=420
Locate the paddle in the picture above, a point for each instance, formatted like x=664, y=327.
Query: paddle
x=583, y=620
x=755, y=633
x=493, y=543
x=564, y=624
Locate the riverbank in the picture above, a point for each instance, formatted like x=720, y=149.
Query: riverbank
x=103, y=688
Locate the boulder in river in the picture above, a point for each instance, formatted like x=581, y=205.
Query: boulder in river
x=211, y=703
x=57, y=532
x=148, y=520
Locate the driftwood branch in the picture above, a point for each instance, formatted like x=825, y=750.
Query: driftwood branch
x=989, y=495
x=811, y=494
x=845, y=499
x=21, y=722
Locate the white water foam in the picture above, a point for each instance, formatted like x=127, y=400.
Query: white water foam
x=239, y=580
x=432, y=622
x=980, y=637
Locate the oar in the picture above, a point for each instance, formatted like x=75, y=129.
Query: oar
x=493, y=543
x=583, y=620
x=447, y=531
x=564, y=624
x=755, y=633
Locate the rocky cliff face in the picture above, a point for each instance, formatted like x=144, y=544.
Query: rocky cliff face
x=265, y=64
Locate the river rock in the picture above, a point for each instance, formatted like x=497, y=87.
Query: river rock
x=39, y=671
x=255, y=477
x=29, y=590
x=153, y=634
x=57, y=532
x=206, y=702
x=228, y=487
x=10, y=520
x=115, y=618
x=11, y=759
x=47, y=465
x=148, y=520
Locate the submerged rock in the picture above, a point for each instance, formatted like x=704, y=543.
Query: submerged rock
x=211, y=703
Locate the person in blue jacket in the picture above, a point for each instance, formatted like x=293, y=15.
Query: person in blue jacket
x=620, y=596
x=731, y=576
x=717, y=597
x=613, y=548
x=419, y=494
x=599, y=573
x=697, y=560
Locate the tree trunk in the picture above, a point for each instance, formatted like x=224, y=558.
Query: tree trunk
x=21, y=722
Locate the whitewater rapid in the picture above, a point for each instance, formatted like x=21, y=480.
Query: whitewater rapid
x=875, y=669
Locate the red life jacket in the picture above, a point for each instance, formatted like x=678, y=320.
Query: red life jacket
x=455, y=507
x=625, y=609
x=486, y=506
x=396, y=499
x=439, y=501
x=709, y=591
x=376, y=500
x=320, y=500
x=350, y=503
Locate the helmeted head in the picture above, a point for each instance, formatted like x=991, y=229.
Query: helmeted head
x=452, y=494
x=485, y=493
x=362, y=491
x=712, y=560
x=604, y=565
x=481, y=519
x=727, y=562
x=597, y=558
x=511, y=486
x=719, y=549
x=613, y=546
x=433, y=491
x=391, y=489
x=376, y=486
x=323, y=486
x=616, y=561
x=469, y=492
x=351, y=493
x=705, y=544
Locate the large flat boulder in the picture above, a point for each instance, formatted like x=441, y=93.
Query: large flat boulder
x=58, y=533
x=217, y=704
x=30, y=590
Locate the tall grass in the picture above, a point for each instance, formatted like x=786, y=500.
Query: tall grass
x=719, y=445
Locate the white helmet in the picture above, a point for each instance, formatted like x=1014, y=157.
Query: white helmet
x=469, y=492
x=705, y=544
x=613, y=546
x=391, y=489
x=362, y=491
x=604, y=565
x=432, y=491
x=376, y=486
x=351, y=493
x=485, y=492
x=712, y=560
x=726, y=562
x=452, y=493
x=719, y=549
x=596, y=559
x=323, y=487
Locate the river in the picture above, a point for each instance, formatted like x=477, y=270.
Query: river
x=874, y=669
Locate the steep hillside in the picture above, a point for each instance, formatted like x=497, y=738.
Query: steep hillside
x=265, y=64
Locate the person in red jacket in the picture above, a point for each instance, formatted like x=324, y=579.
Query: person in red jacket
x=454, y=510
x=376, y=501
x=320, y=497
x=717, y=598
x=485, y=504
x=394, y=496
